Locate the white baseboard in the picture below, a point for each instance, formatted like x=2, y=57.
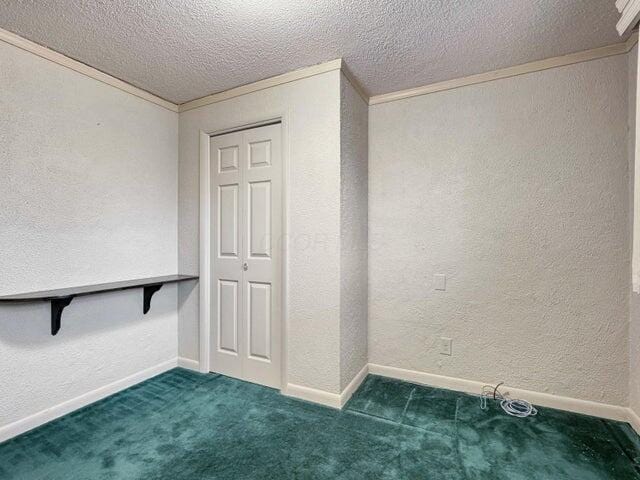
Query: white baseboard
x=353, y=385
x=587, y=407
x=312, y=395
x=189, y=364
x=44, y=416
x=634, y=420
x=328, y=399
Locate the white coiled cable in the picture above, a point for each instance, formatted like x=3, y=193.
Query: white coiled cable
x=514, y=407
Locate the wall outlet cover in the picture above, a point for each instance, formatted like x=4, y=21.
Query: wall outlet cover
x=440, y=282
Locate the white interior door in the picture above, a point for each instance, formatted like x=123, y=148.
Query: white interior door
x=246, y=206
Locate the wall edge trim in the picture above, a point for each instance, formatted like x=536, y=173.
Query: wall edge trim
x=322, y=397
x=48, y=414
x=354, y=384
x=634, y=420
x=513, y=71
x=314, y=395
x=262, y=84
x=189, y=364
x=354, y=83
x=585, y=407
x=82, y=68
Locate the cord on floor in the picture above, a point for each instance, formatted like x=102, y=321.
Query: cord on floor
x=514, y=407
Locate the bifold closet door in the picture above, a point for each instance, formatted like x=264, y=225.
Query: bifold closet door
x=246, y=197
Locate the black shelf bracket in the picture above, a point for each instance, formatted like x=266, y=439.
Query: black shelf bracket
x=149, y=290
x=61, y=297
x=57, y=306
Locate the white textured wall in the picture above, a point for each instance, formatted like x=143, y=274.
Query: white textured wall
x=312, y=140
x=88, y=191
x=517, y=190
x=353, y=232
x=634, y=314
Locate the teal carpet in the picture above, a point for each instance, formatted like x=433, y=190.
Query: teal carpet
x=184, y=425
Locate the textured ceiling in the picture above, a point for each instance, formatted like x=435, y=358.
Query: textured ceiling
x=185, y=49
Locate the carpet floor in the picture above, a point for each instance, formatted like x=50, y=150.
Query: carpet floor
x=184, y=425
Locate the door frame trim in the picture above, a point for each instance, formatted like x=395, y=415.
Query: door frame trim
x=205, y=240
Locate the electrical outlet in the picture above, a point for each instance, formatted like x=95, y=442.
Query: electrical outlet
x=445, y=346
x=440, y=282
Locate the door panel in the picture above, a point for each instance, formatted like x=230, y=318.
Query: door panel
x=260, y=154
x=228, y=159
x=259, y=315
x=226, y=285
x=228, y=223
x=259, y=219
x=246, y=333
x=228, y=316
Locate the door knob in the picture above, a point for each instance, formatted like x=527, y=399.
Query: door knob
x=245, y=267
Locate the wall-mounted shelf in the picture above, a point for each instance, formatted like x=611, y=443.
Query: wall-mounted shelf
x=62, y=297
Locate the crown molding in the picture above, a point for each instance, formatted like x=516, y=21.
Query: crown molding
x=263, y=84
x=86, y=70
x=554, y=62
x=630, y=10
x=338, y=64
x=620, y=4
